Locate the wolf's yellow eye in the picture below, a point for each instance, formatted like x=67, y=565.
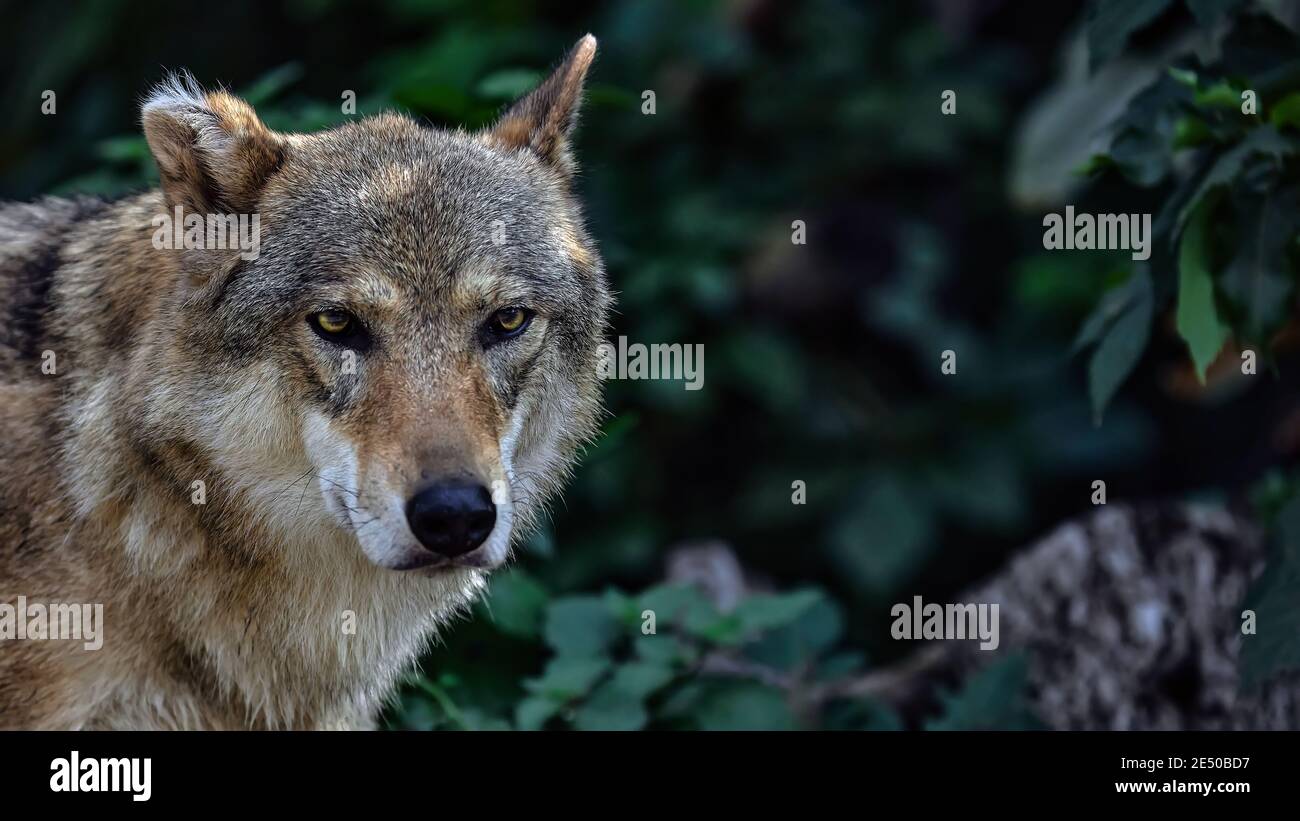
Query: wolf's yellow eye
x=510, y=320
x=340, y=328
x=333, y=322
x=506, y=323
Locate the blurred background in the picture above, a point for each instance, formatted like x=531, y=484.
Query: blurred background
x=822, y=360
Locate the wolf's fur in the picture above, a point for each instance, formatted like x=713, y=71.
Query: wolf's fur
x=174, y=367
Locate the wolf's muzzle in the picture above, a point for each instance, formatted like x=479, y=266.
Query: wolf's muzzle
x=451, y=518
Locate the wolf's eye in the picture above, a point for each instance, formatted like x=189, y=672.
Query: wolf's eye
x=333, y=322
x=509, y=322
x=339, y=327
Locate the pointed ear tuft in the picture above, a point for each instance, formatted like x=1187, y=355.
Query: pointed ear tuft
x=543, y=120
x=214, y=155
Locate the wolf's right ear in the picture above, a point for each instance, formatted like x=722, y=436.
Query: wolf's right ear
x=543, y=120
x=214, y=155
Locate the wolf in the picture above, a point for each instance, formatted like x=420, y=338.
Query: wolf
x=282, y=474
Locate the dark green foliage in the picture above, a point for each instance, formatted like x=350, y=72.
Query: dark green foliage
x=1119, y=327
x=612, y=668
x=1112, y=22
x=1229, y=230
x=1234, y=265
x=992, y=699
x=1275, y=645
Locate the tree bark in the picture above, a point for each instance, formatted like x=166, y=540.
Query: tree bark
x=1130, y=618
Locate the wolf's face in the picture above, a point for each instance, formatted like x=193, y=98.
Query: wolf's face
x=417, y=336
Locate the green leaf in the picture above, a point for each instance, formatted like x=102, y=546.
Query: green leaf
x=992, y=699
x=1109, y=308
x=1197, y=318
x=768, y=611
x=1185, y=77
x=1145, y=132
x=683, y=700
x=1111, y=22
x=814, y=633
x=1190, y=132
x=1286, y=111
x=678, y=604
x=1095, y=164
x=664, y=649
x=619, y=703
x=580, y=626
x=567, y=678
x=611, y=708
x=642, y=678
x=716, y=629
x=745, y=706
x=1219, y=95
x=623, y=607
x=1264, y=140
x=516, y=604
x=1275, y=647
x=418, y=713
x=1123, y=341
x=861, y=714
x=1275, y=598
x=1142, y=156
x=1259, y=278
x=533, y=712
x=474, y=719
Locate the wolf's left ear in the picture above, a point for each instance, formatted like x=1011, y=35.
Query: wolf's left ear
x=213, y=153
x=543, y=120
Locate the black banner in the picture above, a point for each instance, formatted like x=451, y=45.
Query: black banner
x=138, y=771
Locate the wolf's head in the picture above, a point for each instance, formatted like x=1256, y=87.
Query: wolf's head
x=417, y=333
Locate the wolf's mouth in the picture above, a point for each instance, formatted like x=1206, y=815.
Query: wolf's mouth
x=422, y=560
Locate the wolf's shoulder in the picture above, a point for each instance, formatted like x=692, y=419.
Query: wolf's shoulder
x=28, y=225
x=37, y=240
x=33, y=237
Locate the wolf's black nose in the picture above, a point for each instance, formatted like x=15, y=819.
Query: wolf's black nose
x=451, y=518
